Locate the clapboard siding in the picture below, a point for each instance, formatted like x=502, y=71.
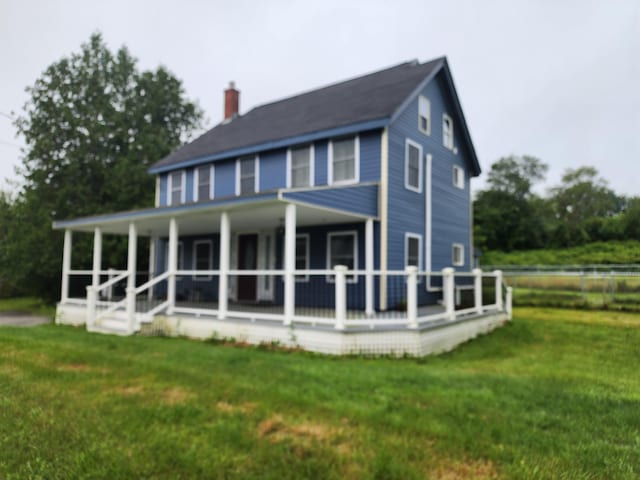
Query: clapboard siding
x=225, y=178
x=273, y=170
x=361, y=199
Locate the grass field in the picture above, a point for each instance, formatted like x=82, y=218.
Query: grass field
x=555, y=394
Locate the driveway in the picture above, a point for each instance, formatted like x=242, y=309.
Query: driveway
x=22, y=319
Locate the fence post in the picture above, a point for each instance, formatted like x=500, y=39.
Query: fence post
x=448, y=286
x=498, y=275
x=412, y=296
x=509, y=301
x=477, y=290
x=91, y=306
x=341, y=295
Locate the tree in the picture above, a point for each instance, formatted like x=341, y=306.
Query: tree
x=516, y=175
x=93, y=125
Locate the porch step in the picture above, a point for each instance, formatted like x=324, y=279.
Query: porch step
x=112, y=326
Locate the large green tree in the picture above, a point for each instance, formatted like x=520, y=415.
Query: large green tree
x=93, y=125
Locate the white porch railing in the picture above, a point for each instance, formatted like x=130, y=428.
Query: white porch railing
x=338, y=298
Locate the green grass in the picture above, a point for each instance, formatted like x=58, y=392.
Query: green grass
x=27, y=304
x=555, y=394
x=614, y=252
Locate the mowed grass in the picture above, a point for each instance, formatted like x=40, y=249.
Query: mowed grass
x=554, y=394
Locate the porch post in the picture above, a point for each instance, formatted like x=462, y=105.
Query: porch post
x=498, y=274
x=152, y=264
x=97, y=257
x=509, y=303
x=173, y=264
x=448, y=287
x=368, y=262
x=477, y=290
x=412, y=296
x=341, y=295
x=66, y=266
x=131, y=278
x=289, y=263
x=223, y=281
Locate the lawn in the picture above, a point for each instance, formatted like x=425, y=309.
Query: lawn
x=555, y=394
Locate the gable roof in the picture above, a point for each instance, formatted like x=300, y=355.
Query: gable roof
x=362, y=100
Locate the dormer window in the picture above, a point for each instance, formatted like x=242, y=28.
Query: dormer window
x=176, y=187
x=424, y=115
x=343, y=160
x=447, y=131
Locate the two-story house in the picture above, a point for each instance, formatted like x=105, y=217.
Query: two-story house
x=340, y=206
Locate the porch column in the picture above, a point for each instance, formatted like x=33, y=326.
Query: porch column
x=66, y=266
x=223, y=281
x=152, y=264
x=412, y=296
x=97, y=257
x=289, y=263
x=477, y=290
x=368, y=262
x=131, y=278
x=448, y=287
x=173, y=264
x=498, y=275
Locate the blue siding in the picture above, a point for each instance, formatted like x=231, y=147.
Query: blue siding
x=361, y=199
x=370, y=156
x=321, y=152
x=163, y=189
x=451, y=207
x=225, y=179
x=188, y=197
x=273, y=170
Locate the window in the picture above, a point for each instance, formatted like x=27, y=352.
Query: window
x=413, y=166
x=302, y=256
x=343, y=160
x=457, y=255
x=180, y=265
x=202, y=258
x=424, y=115
x=176, y=188
x=458, y=177
x=203, y=183
x=447, y=131
x=342, y=250
x=412, y=250
x=300, y=167
x=247, y=175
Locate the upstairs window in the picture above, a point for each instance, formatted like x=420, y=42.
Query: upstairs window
x=412, y=250
x=413, y=166
x=301, y=167
x=457, y=255
x=247, y=175
x=458, y=177
x=447, y=131
x=424, y=115
x=176, y=188
x=343, y=160
x=204, y=183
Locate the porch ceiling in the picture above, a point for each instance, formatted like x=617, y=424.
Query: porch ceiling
x=195, y=221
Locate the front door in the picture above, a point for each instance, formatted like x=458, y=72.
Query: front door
x=247, y=260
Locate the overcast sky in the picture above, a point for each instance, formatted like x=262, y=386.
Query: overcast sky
x=559, y=80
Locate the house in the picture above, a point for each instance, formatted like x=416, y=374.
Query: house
x=338, y=220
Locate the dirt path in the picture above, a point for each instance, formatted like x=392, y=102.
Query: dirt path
x=22, y=319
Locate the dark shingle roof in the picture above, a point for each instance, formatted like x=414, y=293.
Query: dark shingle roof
x=370, y=97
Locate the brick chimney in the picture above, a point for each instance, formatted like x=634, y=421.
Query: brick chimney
x=231, y=102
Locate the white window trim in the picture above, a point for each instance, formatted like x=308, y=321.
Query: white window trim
x=183, y=187
x=444, y=118
x=422, y=98
x=461, y=247
x=312, y=161
x=196, y=181
x=461, y=176
x=194, y=262
x=418, y=237
x=356, y=169
x=307, y=257
x=256, y=174
x=408, y=186
x=354, y=233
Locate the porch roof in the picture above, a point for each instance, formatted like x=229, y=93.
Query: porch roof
x=259, y=211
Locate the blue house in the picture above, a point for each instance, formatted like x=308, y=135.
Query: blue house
x=347, y=206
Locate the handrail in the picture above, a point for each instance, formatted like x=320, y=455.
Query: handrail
x=112, y=281
x=152, y=282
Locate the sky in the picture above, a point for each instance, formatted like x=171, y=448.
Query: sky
x=556, y=79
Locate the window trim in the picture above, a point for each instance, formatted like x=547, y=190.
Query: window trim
x=455, y=246
x=307, y=256
x=427, y=102
x=449, y=145
x=196, y=181
x=336, y=233
x=408, y=142
x=416, y=236
x=256, y=174
x=461, y=176
x=183, y=187
x=194, y=261
x=356, y=155
x=312, y=161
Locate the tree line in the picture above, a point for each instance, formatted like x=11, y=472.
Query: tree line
x=509, y=215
